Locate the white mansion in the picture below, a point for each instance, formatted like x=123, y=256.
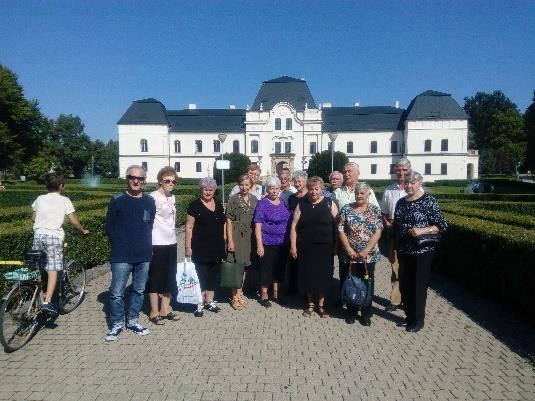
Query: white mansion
x=285, y=127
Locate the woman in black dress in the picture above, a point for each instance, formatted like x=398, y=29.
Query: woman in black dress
x=416, y=214
x=312, y=237
x=205, y=241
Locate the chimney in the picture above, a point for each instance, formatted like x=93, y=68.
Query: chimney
x=327, y=105
x=232, y=107
x=357, y=104
x=396, y=104
x=192, y=106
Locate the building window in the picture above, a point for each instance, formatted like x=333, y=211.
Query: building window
x=287, y=147
x=444, y=145
x=198, y=167
x=427, y=168
x=392, y=169
x=177, y=167
x=373, y=147
x=236, y=146
x=254, y=146
x=427, y=145
x=277, y=147
x=349, y=147
x=217, y=146
x=394, y=147
x=313, y=148
x=177, y=147
x=198, y=146
x=374, y=169
x=145, y=166
x=443, y=168
x=288, y=124
x=277, y=124
x=144, y=145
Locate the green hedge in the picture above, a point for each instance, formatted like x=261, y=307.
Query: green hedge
x=523, y=208
x=493, y=259
x=487, y=197
x=526, y=221
x=25, y=197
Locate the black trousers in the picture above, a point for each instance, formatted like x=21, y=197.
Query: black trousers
x=414, y=277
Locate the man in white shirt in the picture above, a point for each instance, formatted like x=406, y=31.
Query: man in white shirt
x=346, y=193
x=286, y=187
x=253, y=171
x=392, y=194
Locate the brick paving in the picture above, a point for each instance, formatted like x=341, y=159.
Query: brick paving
x=470, y=349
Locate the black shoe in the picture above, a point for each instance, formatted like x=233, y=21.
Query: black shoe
x=49, y=308
x=365, y=321
x=391, y=308
x=415, y=327
x=278, y=301
x=351, y=319
x=212, y=307
x=265, y=303
x=198, y=313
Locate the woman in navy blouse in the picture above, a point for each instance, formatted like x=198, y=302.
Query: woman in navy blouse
x=416, y=214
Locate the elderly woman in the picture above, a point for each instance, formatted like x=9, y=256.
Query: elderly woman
x=271, y=222
x=205, y=241
x=416, y=214
x=240, y=210
x=162, y=269
x=253, y=171
x=359, y=230
x=312, y=237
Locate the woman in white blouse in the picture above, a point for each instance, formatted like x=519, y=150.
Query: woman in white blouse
x=162, y=270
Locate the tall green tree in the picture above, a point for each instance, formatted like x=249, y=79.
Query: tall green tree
x=320, y=164
x=105, y=158
x=238, y=164
x=76, y=146
x=21, y=122
x=529, y=125
x=498, y=131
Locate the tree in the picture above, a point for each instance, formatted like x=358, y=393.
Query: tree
x=41, y=164
x=498, y=131
x=238, y=165
x=75, y=152
x=529, y=126
x=105, y=158
x=320, y=164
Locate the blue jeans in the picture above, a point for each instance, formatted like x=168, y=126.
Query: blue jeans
x=120, y=272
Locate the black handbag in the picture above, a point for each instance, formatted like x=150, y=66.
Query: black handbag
x=231, y=272
x=356, y=291
x=427, y=239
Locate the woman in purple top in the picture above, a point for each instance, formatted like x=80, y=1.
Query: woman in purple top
x=271, y=223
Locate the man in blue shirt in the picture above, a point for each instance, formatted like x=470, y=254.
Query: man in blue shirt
x=129, y=227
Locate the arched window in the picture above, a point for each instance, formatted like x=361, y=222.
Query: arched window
x=177, y=147
x=144, y=145
x=288, y=124
x=277, y=124
x=236, y=146
x=349, y=147
x=254, y=146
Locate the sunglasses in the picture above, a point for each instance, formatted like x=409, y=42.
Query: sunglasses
x=133, y=177
x=168, y=181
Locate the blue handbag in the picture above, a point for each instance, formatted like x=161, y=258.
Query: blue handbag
x=356, y=291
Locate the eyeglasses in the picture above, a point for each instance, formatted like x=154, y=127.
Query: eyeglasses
x=168, y=181
x=134, y=177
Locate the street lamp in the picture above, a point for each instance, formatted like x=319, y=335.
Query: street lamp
x=332, y=137
x=222, y=138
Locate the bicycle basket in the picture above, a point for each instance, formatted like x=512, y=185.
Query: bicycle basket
x=23, y=274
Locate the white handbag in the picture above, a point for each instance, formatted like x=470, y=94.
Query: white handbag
x=189, y=288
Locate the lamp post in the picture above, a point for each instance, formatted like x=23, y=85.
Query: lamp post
x=332, y=137
x=222, y=138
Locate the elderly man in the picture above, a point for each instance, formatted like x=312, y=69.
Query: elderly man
x=392, y=194
x=286, y=187
x=253, y=171
x=335, y=179
x=346, y=193
x=129, y=224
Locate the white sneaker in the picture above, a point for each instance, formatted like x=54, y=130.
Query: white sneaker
x=114, y=333
x=138, y=329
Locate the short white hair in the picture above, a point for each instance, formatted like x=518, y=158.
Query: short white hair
x=352, y=164
x=362, y=185
x=300, y=174
x=272, y=181
x=335, y=172
x=412, y=175
x=207, y=182
x=403, y=162
x=135, y=166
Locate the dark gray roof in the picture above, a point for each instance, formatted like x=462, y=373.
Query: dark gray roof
x=375, y=118
x=145, y=111
x=433, y=105
x=284, y=89
x=207, y=120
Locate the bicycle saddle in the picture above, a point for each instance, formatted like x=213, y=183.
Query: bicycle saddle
x=35, y=254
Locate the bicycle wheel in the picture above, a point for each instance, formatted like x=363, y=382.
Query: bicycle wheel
x=73, y=291
x=19, y=317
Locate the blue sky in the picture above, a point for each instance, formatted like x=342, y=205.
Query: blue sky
x=93, y=58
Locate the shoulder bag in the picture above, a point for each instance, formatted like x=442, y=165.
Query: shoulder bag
x=356, y=291
x=231, y=272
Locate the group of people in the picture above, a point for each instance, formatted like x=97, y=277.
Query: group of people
x=287, y=231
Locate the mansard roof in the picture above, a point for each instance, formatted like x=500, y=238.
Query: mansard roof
x=284, y=89
x=145, y=111
x=374, y=118
x=207, y=120
x=433, y=105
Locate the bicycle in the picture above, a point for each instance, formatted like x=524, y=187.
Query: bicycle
x=21, y=315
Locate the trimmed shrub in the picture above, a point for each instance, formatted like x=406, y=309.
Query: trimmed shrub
x=491, y=215
x=487, y=197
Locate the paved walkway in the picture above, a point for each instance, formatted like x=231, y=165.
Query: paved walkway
x=469, y=350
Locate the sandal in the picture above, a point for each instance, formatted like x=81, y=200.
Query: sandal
x=321, y=312
x=157, y=320
x=171, y=316
x=308, y=311
x=242, y=301
x=235, y=303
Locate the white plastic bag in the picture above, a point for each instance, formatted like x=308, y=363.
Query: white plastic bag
x=189, y=288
